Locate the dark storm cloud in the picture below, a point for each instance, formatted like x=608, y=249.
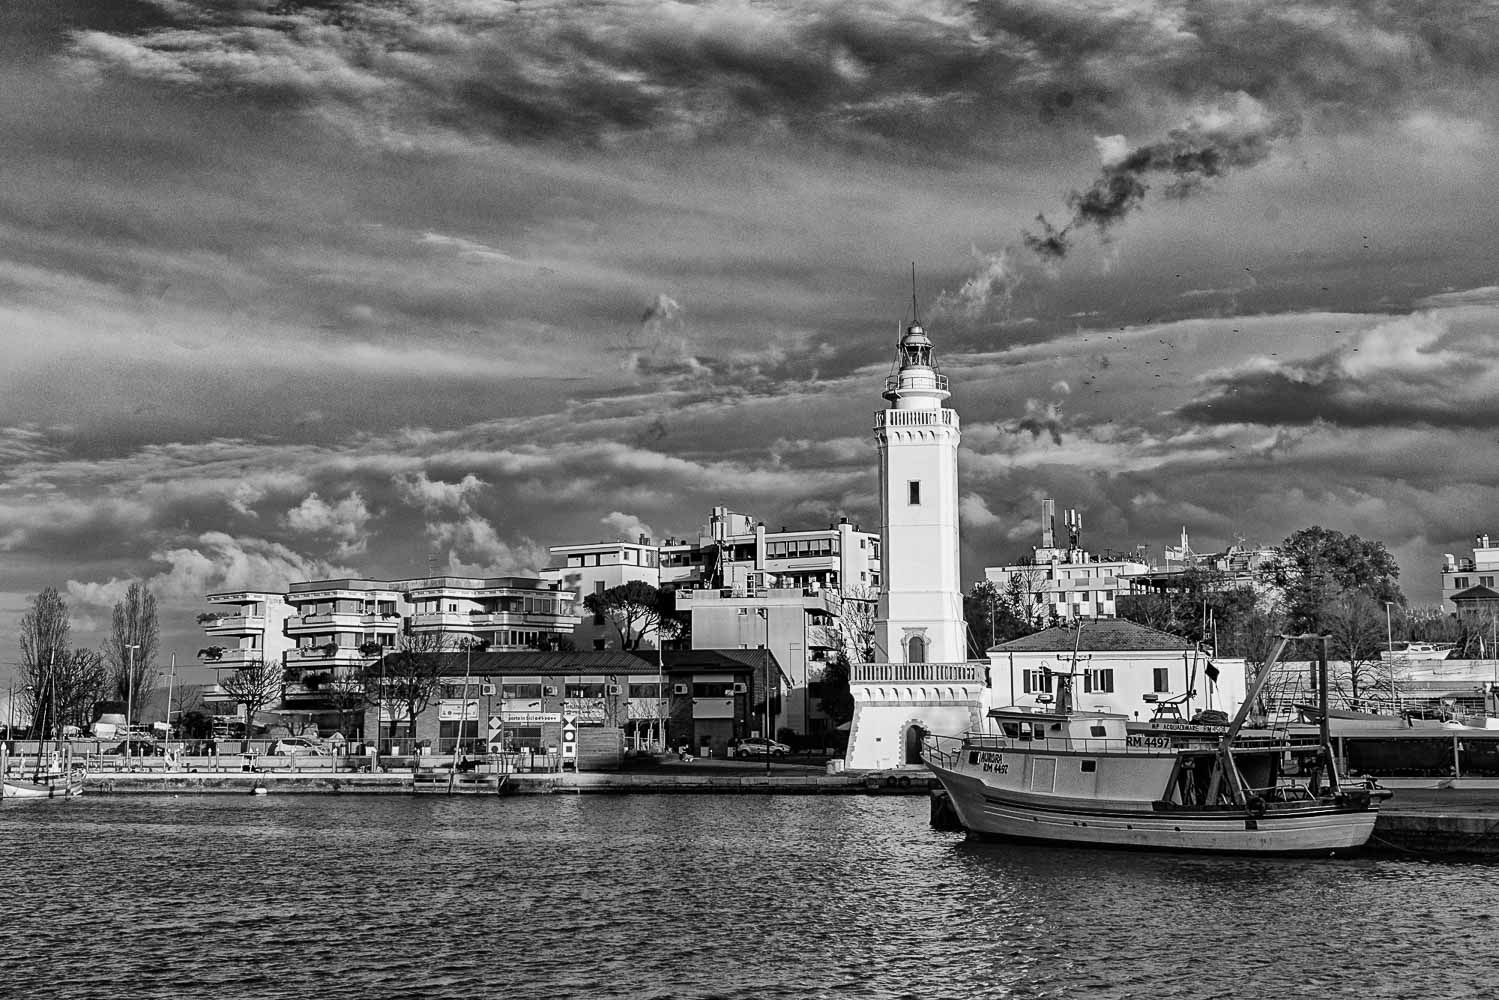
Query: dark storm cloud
x=1187, y=159
x=1286, y=398
x=1429, y=369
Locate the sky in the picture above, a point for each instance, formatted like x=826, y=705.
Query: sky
x=290, y=290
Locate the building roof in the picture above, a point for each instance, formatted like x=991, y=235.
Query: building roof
x=1099, y=635
x=1479, y=593
x=710, y=659
x=600, y=662
x=549, y=664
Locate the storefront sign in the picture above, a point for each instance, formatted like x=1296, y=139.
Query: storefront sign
x=452, y=711
x=530, y=718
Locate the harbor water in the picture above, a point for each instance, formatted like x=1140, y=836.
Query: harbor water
x=649, y=896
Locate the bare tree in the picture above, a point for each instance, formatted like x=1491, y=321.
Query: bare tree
x=82, y=679
x=133, y=624
x=254, y=686
x=44, y=647
x=408, y=678
x=1355, y=624
x=851, y=632
x=349, y=691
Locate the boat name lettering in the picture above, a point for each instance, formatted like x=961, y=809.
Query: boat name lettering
x=993, y=763
x=1157, y=742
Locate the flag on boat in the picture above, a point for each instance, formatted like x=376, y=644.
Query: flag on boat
x=1211, y=672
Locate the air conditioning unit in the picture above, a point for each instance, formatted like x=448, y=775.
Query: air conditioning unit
x=486, y=689
x=679, y=689
x=739, y=689
x=550, y=692
x=615, y=689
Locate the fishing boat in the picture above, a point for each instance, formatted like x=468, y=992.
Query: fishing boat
x=1063, y=776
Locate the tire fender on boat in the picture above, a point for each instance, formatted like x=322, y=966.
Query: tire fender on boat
x=1254, y=806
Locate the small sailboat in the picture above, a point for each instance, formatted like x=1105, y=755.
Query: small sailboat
x=58, y=778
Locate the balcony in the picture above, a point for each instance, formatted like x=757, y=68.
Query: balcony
x=916, y=673
x=457, y=621
x=313, y=657
x=233, y=659
x=235, y=624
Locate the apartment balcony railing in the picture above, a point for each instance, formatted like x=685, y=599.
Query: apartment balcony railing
x=233, y=624
x=314, y=657
x=452, y=620
x=916, y=673
x=342, y=619
x=236, y=658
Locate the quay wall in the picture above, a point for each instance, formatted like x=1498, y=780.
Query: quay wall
x=397, y=783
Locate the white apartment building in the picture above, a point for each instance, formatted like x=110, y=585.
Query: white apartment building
x=250, y=629
x=321, y=629
x=1479, y=570
x=1066, y=581
x=789, y=621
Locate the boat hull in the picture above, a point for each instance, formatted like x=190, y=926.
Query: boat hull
x=439, y=783
x=1285, y=828
x=15, y=788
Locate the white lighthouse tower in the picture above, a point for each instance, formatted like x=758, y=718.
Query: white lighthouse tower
x=920, y=682
x=921, y=604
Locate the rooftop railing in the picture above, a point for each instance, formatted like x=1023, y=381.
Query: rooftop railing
x=915, y=673
x=914, y=418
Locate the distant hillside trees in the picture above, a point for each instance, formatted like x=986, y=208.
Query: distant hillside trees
x=1319, y=581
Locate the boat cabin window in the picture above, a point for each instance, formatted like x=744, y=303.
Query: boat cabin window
x=1095, y=730
x=1015, y=731
x=1089, y=766
x=1040, y=729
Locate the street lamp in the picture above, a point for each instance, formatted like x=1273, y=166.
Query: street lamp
x=764, y=613
x=1389, y=641
x=129, y=696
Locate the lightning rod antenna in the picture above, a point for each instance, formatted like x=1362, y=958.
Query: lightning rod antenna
x=915, y=316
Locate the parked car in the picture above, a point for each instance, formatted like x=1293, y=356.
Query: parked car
x=137, y=748
x=298, y=746
x=759, y=746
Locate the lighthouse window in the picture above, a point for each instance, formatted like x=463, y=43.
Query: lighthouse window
x=913, y=493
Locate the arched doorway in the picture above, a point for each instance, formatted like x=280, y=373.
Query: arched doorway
x=915, y=733
x=916, y=649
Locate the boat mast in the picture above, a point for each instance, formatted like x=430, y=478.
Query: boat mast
x=1225, y=747
x=1325, y=728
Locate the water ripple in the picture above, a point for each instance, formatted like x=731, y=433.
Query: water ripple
x=690, y=897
